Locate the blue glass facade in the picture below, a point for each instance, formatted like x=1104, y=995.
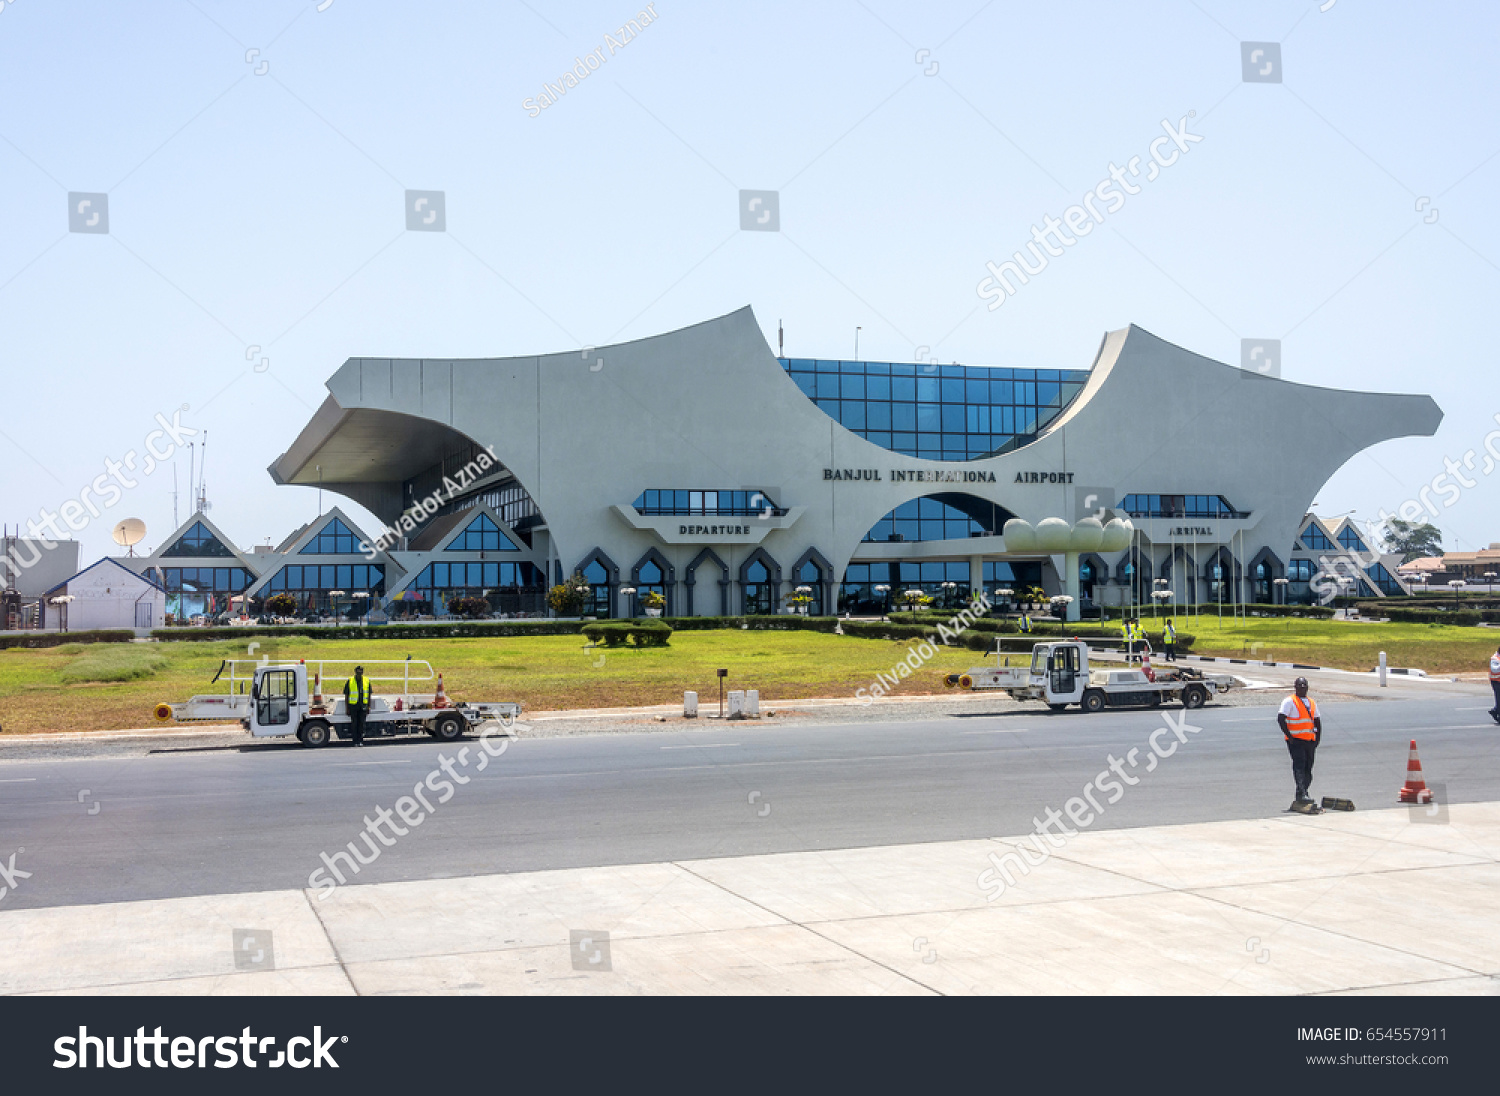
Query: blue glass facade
x=198, y=542
x=858, y=593
x=937, y=412
x=933, y=519
x=707, y=503
x=1179, y=506
x=1313, y=538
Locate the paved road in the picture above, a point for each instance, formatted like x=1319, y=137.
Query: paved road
x=257, y=817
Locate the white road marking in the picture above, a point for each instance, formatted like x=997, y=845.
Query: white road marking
x=1471, y=709
x=708, y=746
x=1257, y=719
x=998, y=730
x=20, y=780
x=393, y=761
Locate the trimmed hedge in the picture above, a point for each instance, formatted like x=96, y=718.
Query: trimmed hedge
x=785, y=622
x=616, y=633
x=1462, y=618
x=465, y=629
x=57, y=639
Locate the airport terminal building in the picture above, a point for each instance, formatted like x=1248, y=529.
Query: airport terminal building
x=700, y=465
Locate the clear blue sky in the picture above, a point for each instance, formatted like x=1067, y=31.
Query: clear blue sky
x=265, y=208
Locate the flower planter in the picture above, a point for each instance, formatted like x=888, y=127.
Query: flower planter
x=650, y=612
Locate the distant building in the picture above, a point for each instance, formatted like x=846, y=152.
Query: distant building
x=1481, y=568
x=106, y=594
x=330, y=566
x=1326, y=551
x=29, y=567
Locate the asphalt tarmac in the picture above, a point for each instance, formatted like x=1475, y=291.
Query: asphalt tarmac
x=234, y=815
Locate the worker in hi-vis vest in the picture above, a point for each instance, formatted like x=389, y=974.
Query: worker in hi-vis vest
x=1169, y=640
x=1495, y=684
x=357, y=703
x=1303, y=728
x=1127, y=636
x=1025, y=622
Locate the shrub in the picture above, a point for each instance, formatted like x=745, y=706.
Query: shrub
x=470, y=607
x=617, y=633
x=60, y=639
x=568, y=598
x=281, y=605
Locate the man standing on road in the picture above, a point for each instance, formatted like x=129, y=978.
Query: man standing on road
x=1303, y=728
x=357, y=704
x=1169, y=640
x=1495, y=684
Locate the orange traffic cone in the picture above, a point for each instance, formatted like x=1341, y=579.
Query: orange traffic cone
x=1415, y=790
x=317, y=699
x=1146, y=666
x=440, y=698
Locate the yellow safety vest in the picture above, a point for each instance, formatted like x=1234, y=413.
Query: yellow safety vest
x=1301, y=724
x=1127, y=633
x=1025, y=622
x=1169, y=633
x=361, y=687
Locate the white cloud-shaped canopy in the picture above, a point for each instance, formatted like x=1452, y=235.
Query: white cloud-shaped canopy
x=1056, y=535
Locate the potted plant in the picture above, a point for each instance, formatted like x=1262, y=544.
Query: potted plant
x=799, y=599
x=568, y=598
x=653, y=602
x=916, y=600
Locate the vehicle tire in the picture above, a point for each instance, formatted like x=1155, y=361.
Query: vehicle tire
x=1194, y=696
x=314, y=733
x=1057, y=707
x=1093, y=701
x=965, y=682
x=449, y=727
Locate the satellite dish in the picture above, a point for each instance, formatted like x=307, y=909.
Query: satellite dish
x=129, y=533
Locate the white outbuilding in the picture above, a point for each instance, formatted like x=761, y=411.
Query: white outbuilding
x=106, y=594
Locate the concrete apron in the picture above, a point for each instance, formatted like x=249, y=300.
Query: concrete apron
x=1385, y=901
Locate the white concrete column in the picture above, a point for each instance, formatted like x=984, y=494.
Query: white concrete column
x=976, y=575
x=1070, y=584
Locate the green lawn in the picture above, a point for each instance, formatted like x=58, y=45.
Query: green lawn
x=1347, y=645
x=81, y=687
x=42, y=690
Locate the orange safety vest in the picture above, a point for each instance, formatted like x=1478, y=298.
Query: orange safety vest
x=1301, y=725
x=1495, y=668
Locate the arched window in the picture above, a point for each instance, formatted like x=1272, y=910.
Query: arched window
x=651, y=580
x=1263, y=588
x=598, y=580
x=758, y=590
x=811, y=575
x=1088, y=577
